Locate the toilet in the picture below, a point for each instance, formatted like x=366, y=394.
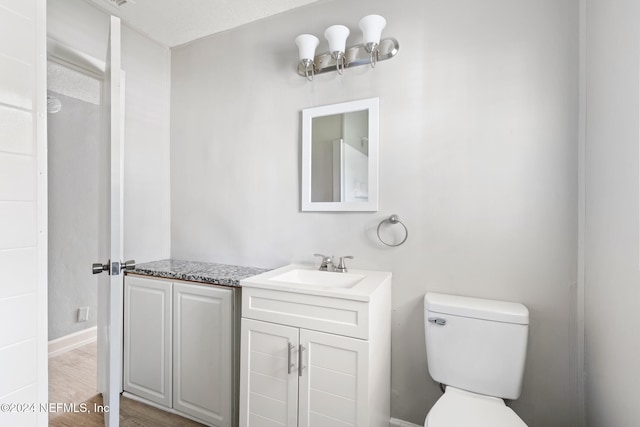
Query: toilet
x=476, y=350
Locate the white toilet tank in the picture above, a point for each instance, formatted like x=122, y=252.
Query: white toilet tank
x=476, y=344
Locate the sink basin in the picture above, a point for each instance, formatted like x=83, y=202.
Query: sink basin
x=356, y=285
x=319, y=279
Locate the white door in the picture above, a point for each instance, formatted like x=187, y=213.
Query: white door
x=334, y=382
x=110, y=287
x=268, y=375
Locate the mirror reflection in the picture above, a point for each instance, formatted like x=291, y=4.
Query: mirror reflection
x=340, y=156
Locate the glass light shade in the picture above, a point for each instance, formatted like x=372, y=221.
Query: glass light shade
x=371, y=26
x=307, y=45
x=337, y=35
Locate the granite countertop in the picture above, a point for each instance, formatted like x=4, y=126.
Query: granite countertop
x=203, y=272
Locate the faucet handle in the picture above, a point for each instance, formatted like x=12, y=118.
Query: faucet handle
x=342, y=267
x=325, y=263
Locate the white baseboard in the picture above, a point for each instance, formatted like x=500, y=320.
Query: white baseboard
x=71, y=341
x=393, y=422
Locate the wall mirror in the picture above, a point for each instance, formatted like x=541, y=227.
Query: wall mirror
x=340, y=157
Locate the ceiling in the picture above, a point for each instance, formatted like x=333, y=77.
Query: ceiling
x=175, y=22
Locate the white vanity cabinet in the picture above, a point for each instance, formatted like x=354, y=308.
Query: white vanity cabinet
x=314, y=361
x=329, y=388
x=269, y=382
x=179, y=347
x=147, y=339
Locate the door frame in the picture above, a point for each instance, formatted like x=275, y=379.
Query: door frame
x=39, y=115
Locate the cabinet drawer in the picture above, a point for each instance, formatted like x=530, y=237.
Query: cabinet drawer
x=326, y=314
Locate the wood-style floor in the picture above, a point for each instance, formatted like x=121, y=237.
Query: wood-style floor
x=72, y=379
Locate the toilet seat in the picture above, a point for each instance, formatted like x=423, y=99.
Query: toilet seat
x=459, y=408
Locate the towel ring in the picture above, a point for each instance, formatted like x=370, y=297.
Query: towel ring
x=393, y=219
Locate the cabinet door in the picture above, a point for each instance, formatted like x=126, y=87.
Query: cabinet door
x=268, y=375
x=147, y=339
x=334, y=382
x=202, y=352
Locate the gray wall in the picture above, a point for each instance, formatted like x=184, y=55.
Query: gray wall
x=611, y=245
x=74, y=163
x=478, y=121
x=146, y=63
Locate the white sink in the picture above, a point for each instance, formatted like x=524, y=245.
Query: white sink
x=316, y=278
x=357, y=285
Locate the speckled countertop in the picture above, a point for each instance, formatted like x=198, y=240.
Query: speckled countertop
x=203, y=272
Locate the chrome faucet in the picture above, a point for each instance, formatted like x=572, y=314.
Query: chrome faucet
x=342, y=267
x=326, y=264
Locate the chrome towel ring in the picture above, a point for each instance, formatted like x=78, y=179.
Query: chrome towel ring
x=393, y=219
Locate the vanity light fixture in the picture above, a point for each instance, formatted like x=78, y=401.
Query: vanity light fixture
x=339, y=57
x=307, y=45
x=372, y=26
x=337, y=35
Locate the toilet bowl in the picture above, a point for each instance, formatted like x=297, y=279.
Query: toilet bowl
x=476, y=348
x=459, y=408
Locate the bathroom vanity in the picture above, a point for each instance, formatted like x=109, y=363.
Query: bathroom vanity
x=228, y=346
x=315, y=348
x=181, y=323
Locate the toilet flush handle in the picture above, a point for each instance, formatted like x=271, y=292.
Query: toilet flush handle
x=438, y=321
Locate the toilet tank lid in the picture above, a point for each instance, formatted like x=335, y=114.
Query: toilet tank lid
x=477, y=308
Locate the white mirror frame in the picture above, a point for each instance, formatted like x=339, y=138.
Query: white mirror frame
x=308, y=114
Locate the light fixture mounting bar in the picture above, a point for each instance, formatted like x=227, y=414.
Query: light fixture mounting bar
x=355, y=55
